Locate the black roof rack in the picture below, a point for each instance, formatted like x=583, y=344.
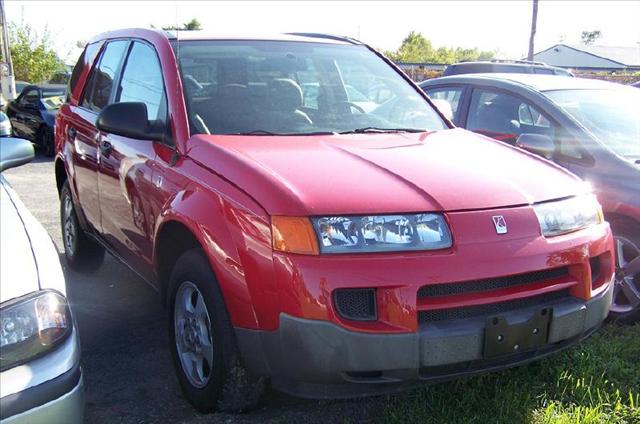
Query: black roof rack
x=326, y=36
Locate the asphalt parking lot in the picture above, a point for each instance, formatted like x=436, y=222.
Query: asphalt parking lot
x=128, y=373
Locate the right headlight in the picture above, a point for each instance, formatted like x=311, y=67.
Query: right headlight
x=32, y=326
x=565, y=216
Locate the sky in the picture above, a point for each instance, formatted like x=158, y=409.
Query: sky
x=488, y=25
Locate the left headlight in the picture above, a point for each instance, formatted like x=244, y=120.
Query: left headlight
x=32, y=326
x=382, y=233
x=565, y=216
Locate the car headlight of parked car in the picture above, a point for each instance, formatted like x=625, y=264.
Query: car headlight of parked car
x=565, y=216
x=362, y=233
x=32, y=326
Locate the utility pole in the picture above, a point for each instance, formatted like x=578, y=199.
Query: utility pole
x=534, y=20
x=7, y=79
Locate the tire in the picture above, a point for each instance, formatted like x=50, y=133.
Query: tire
x=45, y=140
x=82, y=253
x=201, y=335
x=627, y=245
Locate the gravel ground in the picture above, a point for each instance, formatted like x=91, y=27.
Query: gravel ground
x=127, y=366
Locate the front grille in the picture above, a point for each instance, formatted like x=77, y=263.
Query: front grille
x=595, y=269
x=356, y=304
x=448, y=289
x=491, y=308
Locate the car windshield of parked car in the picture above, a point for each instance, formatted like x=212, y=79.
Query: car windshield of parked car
x=611, y=115
x=292, y=88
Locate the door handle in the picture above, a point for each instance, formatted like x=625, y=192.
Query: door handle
x=105, y=147
x=71, y=133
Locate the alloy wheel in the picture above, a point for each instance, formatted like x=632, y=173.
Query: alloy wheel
x=70, y=230
x=192, y=326
x=626, y=291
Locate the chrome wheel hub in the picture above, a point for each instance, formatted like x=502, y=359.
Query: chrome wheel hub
x=193, y=334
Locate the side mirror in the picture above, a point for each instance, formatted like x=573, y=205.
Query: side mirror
x=444, y=107
x=14, y=152
x=129, y=119
x=539, y=144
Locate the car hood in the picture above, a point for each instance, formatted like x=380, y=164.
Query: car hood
x=18, y=270
x=29, y=260
x=382, y=173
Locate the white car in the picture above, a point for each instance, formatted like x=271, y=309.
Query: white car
x=40, y=375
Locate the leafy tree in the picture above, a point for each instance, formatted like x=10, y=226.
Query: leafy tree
x=192, y=25
x=417, y=48
x=589, y=37
x=33, y=57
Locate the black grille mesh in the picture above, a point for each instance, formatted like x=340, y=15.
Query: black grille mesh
x=491, y=308
x=356, y=304
x=448, y=289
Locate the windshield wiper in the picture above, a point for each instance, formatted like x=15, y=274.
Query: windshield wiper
x=265, y=132
x=382, y=130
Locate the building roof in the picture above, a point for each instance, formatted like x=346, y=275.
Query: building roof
x=621, y=55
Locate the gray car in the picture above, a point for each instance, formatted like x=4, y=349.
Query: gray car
x=40, y=375
x=590, y=127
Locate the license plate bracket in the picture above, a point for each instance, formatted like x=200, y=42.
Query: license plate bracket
x=502, y=338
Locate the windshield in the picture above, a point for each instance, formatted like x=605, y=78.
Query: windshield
x=282, y=87
x=53, y=102
x=613, y=116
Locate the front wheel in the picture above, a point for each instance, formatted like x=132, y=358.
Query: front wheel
x=203, y=345
x=81, y=252
x=626, y=292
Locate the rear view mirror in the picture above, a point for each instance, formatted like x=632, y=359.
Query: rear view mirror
x=444, y=107
x=129, y=119
x=539, y=144
x=14, y=152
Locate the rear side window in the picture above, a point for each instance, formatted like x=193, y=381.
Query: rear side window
x=88, y=52
x=450, y=95
x=100, y=84
x=142, y=81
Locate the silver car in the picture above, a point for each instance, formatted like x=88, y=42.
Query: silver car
x=40, y=375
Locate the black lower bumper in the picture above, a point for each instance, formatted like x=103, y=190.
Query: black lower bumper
x=318, y=359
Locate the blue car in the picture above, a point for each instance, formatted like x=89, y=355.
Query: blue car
x=33, y=114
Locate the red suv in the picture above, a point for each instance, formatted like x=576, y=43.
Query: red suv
x=311, y=220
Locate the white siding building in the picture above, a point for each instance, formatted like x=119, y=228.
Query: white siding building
x=596, y=58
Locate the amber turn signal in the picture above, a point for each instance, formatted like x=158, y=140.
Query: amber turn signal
x=294, y=235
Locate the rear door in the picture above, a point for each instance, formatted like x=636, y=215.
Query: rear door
x=81, y=127
x=126, y=164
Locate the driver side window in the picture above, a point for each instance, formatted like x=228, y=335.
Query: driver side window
x=504, y=116
x=30, y=98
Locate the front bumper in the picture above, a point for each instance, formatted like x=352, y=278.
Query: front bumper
x=48, y=389
x=319, y=359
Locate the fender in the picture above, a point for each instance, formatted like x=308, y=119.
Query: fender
x=237, y=243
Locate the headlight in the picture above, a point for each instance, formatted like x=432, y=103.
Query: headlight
x=382, y=233
x=32, y=326
x=568, y=215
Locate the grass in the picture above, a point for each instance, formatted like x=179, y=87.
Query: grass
x=597, y=381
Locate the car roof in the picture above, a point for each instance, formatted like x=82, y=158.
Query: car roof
x=537, y=82
x=209, y=35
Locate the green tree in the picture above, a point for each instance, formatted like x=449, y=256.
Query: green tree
x=417, y=48
x=589, y=37
x=414, y=48
x=192, y=25
x=33, y=57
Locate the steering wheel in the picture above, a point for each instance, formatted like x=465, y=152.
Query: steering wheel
x=353, y=105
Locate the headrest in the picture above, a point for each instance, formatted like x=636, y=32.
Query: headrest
x=286, y=94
